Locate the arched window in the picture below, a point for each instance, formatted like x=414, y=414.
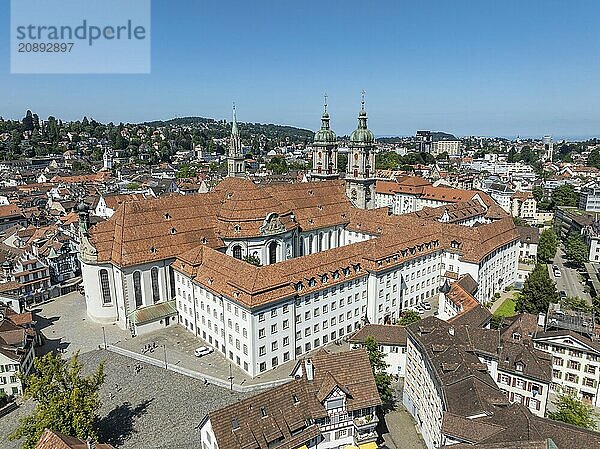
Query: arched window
x=137, y=288
x=105, y=285
x=237, y=251
x=310, y=244
x=320, y=242
x=272, y=252
x=301, y=247
x=172, y=281
x=339, y=237
x=155, y=289
x=329, y=239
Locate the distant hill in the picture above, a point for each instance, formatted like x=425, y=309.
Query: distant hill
x=435, y=135
x=269, y=130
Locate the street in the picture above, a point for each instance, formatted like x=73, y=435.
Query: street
x=570, y=280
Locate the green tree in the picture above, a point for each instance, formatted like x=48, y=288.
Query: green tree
x=408, y=317
x=278, y=165
x=565, y=195
x=538, y=193
x=547, y=246
x=575, y=303
x=252, y=259
x=518, y=221
x=538, y=291
x=66, y=400
x=379, y=366
x=576, y=250
x=186, y=171
x=342, y=162
x=594, y=158
x=571, y=410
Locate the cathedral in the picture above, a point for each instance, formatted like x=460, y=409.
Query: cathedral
x=265, y=274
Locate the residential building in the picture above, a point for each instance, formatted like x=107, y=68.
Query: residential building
x=523, y=205
x=451, y=147
x=412, y=193
x=17, y=339
x=575, y=363
x=502, y=194
x=589, y=198
x=461, y=380
x=392, y=342
x=529, y=238
x=331, y=403
x=51, y=439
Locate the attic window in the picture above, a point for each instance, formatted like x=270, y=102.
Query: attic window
x=204, y=240
x=346, y=271
x=229, y=194
x=235, y=424
x=312, y=282
x=356, y=267
x=295, y=399
x=210, y=281
x=379, y=263
x=516, y=336
x=237, y=228
x=263, y=412
x=335, y=274
x=299, y=286
x=320, y=207
x=153, y=250
x=519, y=367
x=173, y=231
x=167, y=216
x=311, y=193
x=324, y=279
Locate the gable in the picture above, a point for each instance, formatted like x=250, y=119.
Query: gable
x=569, y=341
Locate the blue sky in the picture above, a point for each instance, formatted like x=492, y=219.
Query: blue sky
x=482, y=67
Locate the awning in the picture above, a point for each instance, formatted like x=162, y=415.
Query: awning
x=154, y=312
x=371, y=445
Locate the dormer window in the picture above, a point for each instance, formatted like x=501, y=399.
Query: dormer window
x=335, y=274
x=312, y=282
x=237, y=228
x=295, y=399
x=153, y=250
x=235, y=424
x=263, y=412
x=173, y=231
x=516, y=336
x=167, y=216
x=298, y=286
x=324, y=279
x=519, y=366
x=204, y=240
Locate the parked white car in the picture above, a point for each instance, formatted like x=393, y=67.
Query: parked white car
x=202, y=351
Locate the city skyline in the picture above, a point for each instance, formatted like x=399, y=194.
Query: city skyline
x=519, y=68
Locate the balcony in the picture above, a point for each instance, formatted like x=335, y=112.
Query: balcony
x=366, y=422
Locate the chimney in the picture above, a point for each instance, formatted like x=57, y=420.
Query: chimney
x=309, y=370
x=541, y=320
x=451, y=330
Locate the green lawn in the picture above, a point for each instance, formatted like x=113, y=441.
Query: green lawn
x=507, y=308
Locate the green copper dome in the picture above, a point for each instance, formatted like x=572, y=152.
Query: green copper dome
x=362, y=134
x=325, y=135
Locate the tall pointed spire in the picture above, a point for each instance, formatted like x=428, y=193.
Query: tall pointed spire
x=234, y=128
x=235, y=157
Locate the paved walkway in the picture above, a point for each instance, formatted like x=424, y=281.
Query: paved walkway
x=400, y=431
x=66, y=327
x=570, y=280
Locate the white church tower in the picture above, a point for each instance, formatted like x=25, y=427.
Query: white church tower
x=325, y=154
x=235, y=156
x=360, y=172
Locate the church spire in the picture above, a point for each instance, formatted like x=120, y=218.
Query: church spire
x=235, y=156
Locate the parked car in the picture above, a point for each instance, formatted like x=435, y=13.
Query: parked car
x=202, y=351
x=426, y=305
x=555, y=267
x=563, y=294
x=557, y=273
x=419, y=308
